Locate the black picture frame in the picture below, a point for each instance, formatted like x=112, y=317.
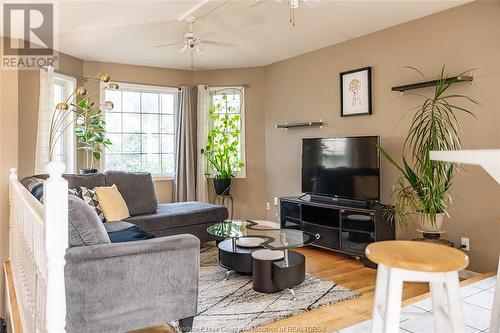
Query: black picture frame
x=343, y=112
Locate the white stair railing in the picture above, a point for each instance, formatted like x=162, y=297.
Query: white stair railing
x=38, y=243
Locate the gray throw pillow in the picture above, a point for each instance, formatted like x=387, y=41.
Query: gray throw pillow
x=85, y=227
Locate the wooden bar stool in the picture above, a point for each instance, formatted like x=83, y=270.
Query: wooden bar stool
x=400, y=261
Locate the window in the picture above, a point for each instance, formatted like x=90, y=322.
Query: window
x=230, y=101
x=141, y=128
x=65, y=146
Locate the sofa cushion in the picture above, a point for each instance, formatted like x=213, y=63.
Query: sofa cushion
x=136, y=188
x=121, y=231
x=89, y=181
x=179, y=214
x=74, y=181
x=85, y=227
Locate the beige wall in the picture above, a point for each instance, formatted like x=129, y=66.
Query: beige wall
x=8, y=158
x=248, y=193
x=307, y=88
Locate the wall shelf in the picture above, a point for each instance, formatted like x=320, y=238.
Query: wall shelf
x=299, y=125
x=461, y=78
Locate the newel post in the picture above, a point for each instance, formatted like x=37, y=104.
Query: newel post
x=55, y=191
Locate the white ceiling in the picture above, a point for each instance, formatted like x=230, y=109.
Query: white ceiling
x=126, y=31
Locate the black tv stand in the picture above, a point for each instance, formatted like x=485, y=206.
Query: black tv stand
x=338, y=225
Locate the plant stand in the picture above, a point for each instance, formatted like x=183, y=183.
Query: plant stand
x=433, y=237
x=225, y=200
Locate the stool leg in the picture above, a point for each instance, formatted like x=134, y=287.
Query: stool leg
x=380, y=299
x=454, y=304
x=438, y=295
x=393, y=302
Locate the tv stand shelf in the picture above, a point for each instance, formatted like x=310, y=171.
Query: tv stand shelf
x=338, y=226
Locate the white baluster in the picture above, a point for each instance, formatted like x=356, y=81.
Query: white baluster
x=56, y=243
x=12, y=178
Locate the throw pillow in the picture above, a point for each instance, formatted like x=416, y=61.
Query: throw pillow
x=85, y=228
x=90, y=197
x=113, y=205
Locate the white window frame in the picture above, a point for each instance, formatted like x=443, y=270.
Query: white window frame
x=151, y=89
x=68, y=138
x=243, y=172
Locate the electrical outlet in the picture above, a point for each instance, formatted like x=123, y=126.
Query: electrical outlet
x=465, y=245
x=268, y=205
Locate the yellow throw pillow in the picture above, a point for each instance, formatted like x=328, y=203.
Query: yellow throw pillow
x=112, y=203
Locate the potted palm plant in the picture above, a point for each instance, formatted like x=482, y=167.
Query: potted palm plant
x=91, y=133
x=222, y=150
x=423, y=186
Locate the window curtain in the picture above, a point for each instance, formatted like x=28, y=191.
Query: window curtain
x=45, y=111
x=202, y=132
x=185, y=161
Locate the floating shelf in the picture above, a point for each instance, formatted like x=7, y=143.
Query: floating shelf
x=461, y=78
x=298, y=125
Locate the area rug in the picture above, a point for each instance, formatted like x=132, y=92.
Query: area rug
x=232, y=305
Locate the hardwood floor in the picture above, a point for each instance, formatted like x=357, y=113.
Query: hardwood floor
x=349, y=273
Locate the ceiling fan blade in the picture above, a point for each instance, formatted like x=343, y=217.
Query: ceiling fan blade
x=312, y=3
x=169, y=44
x=215, y=43
x=256, y=3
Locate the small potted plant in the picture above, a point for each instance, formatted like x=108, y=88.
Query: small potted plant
x=223, y=147
x=423, y=186
x=91, y=133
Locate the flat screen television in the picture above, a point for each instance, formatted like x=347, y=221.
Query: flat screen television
x=342, y=167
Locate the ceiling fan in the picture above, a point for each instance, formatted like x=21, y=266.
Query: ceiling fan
x=292, y=4
x=192, y=43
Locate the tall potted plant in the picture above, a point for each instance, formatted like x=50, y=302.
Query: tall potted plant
x=423, y=186
x=223, y=146
x=91, y=133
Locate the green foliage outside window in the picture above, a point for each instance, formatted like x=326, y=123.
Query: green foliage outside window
x=223, y=142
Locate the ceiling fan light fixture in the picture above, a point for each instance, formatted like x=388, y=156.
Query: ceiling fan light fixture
x=294, y=4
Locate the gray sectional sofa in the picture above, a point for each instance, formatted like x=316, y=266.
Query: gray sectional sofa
x=117, y=287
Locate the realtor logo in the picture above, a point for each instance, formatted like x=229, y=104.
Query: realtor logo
x=30, y=31
x=33, y=23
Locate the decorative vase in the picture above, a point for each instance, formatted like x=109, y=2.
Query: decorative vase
x=222, y=186
x=87, y=171
x=426, y=224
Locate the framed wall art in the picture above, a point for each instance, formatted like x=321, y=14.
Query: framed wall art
x=356, y=92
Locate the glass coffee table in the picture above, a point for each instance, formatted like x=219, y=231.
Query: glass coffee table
x=282, y=270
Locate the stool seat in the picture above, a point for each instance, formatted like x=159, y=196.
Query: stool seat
x=417, y=256
x=268, y=255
